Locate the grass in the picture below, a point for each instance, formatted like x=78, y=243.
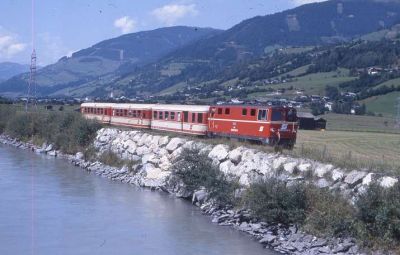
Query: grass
x=384, y=104
x=311, y=84
x=343, y=122
x=375, y=151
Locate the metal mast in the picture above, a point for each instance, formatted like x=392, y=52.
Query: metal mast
x=398, y=113
x=32, y=76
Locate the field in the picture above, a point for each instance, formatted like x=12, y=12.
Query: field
x=375, y=151
x=343, y=122
x=311, y=84
x=384, y=104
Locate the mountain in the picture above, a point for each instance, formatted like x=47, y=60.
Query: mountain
x=147, y=69
x=9, y=69
x=323, y=23
x=104, y=58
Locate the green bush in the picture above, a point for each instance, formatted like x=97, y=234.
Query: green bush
x=196, y=170
x=328, y=214
x=68, y=131
x=378, y=215
x=274, y=201
x=6, y=112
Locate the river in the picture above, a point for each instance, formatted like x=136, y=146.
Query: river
x=48, y=206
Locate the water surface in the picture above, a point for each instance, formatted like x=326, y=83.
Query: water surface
x=48, y=206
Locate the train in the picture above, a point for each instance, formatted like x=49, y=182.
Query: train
x=271, y=125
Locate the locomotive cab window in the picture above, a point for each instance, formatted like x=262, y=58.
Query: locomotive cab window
x=244, y=111
x=291, y=116
x=219, y=110
x=227, y=111
x=262, y=114
x=253, y=112
x=276, y=115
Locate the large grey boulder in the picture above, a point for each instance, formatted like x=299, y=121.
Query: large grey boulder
x=163, y=141
x=387, y=182
x=219, y=152
x=290, y=167
x=79, y=156
x=322, y=169
x=337, y=175
x=226, y=167
x=354, y=178
x=142, y=150
x=174, y=144
x=153, y=176
x=199, y=196
x=236, y=155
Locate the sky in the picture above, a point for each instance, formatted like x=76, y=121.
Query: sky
x=62, y=27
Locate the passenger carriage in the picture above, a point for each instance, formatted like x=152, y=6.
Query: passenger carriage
x=99, y=111
x=132, y=115
x=189, y=119
x=269, y=125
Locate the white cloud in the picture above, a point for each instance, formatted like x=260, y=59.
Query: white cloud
x=301, y=2
x=9, y=44
x=171, y=13
x=50, y=48
x=126, y=24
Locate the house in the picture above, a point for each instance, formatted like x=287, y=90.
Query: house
x=308, y=121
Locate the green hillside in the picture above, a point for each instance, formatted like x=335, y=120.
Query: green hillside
x=384, y=104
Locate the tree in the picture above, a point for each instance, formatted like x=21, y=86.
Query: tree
x=332, y=92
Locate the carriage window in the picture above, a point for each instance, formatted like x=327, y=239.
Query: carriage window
x=155, y=115
x=144, y=114
x=166, y=115
x=219, y=110
x=262, y=114
x=227, y=111
x=253, y=112
x=193, y=117
x=160, y=115
x=244, y=111
x=185, y=116
x=172, y=115
x=125, y=112
x=179, y=116
x=139, y=113
x=276, y=116
x=200, y=118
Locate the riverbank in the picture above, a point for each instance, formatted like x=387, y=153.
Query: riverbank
x=153, y=156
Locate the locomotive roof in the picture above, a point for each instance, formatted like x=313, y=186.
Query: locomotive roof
x=252, y=106
x=171, y=107
x=134, y=106
x=97, y=104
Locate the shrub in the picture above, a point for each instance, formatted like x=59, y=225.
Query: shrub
x=196, y=170
x=6, y=112
x=68, y=131
x=328, y=214
x=378, y=215
x=274, y=201
x=111, y=159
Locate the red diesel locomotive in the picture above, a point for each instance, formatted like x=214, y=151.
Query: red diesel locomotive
x=267, y=124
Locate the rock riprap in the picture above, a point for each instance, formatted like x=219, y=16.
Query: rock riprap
x=153, y=155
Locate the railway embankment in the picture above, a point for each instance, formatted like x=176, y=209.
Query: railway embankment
x=284, y=217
